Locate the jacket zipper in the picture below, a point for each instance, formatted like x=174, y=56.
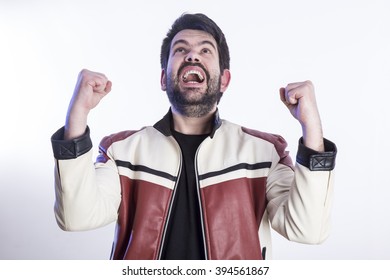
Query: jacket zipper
x=200, y=202
x=170, y=208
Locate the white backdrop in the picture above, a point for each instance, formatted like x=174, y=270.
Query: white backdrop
x=342, y=46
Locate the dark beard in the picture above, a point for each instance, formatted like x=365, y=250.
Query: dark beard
x=194, y=108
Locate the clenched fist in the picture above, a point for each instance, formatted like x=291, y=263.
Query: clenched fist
x=91, y=87
x=300, y=99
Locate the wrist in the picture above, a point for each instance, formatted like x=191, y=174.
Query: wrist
x=75, y=124
x=313, y=137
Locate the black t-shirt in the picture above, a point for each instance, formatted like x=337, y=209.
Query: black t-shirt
x=184, y=238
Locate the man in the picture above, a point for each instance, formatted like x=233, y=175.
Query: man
x=194, y=186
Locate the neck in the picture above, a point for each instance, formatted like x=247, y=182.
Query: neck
x=193, y=126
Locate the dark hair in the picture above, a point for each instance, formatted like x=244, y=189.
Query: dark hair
x=196, y=22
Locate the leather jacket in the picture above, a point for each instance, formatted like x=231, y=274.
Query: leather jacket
x=247, y=183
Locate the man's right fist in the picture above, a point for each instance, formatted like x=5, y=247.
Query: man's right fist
x=91, y=87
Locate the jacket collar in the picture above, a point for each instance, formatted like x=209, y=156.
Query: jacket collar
x=166, y=123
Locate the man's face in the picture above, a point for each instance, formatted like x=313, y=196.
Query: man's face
x=193, y=78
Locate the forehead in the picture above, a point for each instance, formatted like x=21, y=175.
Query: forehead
x=193, y=37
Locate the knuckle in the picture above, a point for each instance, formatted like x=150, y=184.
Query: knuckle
x=309, y=84
x=83, y=72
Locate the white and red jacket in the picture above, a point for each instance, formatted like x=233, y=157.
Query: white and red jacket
x=246, y=183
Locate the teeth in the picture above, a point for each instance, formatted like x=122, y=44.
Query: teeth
x=195, y=72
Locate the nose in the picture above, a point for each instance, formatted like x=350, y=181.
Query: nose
x=192, y=57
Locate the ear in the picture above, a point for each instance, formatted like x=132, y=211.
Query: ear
x=163, y=80
x=225, y=80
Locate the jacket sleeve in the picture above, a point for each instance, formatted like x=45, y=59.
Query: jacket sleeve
x=299, y=203
x=87, y=195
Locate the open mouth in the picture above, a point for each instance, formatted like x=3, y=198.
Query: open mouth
x=193, y=77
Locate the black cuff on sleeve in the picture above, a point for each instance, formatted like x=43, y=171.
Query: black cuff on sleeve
x=317, y=161
x=68, y=149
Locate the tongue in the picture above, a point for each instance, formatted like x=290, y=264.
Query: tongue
x=192, y=78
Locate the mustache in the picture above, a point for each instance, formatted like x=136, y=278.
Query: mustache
x=185, y=64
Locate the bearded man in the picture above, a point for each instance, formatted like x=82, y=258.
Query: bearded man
x=194, y=186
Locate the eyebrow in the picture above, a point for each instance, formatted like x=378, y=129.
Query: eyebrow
x=204, y=42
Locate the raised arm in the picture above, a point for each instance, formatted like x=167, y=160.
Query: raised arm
x=87, y=197
x=300, y=202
